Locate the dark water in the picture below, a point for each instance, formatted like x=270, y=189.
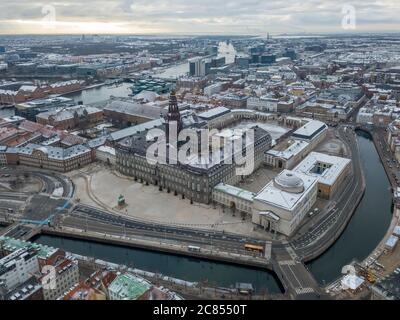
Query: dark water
x=99, y=94
x=364, y=232
x=225, y=275
x=369, y=223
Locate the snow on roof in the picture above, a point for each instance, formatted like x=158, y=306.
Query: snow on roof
x=65, y=83
x=234, y=191
x=397, y=193
x=55, y=153
x=148, y=96
x=107, y=149
x=335, y=166
x=137, y=109
x=8, y=92
x=127, y=132
x=271, y=215
x=61, y=114
x=275, y=196
x=213, y=113
x=352, y=282
x=310, y=129
x=27, y=88
x=392, y=241
x=396, y=231
x=294, y=149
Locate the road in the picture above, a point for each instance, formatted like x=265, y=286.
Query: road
x=288, y=257
x=95, y=219
x=51, y=180
x=325, y=231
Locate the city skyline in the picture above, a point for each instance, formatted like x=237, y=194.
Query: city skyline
x=198, y=17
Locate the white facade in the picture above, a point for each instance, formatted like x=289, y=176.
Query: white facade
x=67, y=276
x=18, y=267
x=233, y=197
x=213, y=89
x=327, y=169
x=284, y=202
x=365, y=116
x=289, y=157
x=106, y=154
x=265, y=104
x=313, y=132
x=330, y=171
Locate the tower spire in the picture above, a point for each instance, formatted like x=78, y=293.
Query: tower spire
x=173, y=115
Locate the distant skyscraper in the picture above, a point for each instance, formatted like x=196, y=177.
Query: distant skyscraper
x=198, y=67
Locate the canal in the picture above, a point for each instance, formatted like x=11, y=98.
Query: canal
x=364, y=232
x=101, y=93
x=369, y=223
x=213, y=273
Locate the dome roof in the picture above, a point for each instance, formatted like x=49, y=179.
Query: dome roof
x=289, y=182
x=43, y=149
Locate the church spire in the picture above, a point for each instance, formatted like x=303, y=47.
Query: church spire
x=173, y=114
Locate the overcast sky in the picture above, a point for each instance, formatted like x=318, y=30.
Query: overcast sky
x=198, y=16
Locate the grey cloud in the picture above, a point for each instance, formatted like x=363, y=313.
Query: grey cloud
x=209, y=15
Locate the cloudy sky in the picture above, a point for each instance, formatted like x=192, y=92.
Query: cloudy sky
x=198, y=16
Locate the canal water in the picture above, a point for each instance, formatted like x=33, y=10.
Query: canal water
x=218, y=274
x=369, y=223
x=363, y=234
x=100, y=94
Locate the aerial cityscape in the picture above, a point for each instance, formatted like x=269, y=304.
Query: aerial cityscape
x=226, y=157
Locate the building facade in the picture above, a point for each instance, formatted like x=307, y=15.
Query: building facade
x=66, y=277
x=234, y=198
x=51, y=158
x=196, y=178
x=18, y=267
x=284, y=202
x=330, y=171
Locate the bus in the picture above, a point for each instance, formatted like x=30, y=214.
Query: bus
x=194, y=249
x=254, y=248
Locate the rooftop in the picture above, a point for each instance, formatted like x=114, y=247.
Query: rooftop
x=129, y=287
x=280, y=196
x=389, y=286
x=334, y=167
x=128, y=132
x=11, y=244
x=235, y=191
x=295, y=147
x=310, y=130
x=55, y=153
x=214, y=113
x=136, y=109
